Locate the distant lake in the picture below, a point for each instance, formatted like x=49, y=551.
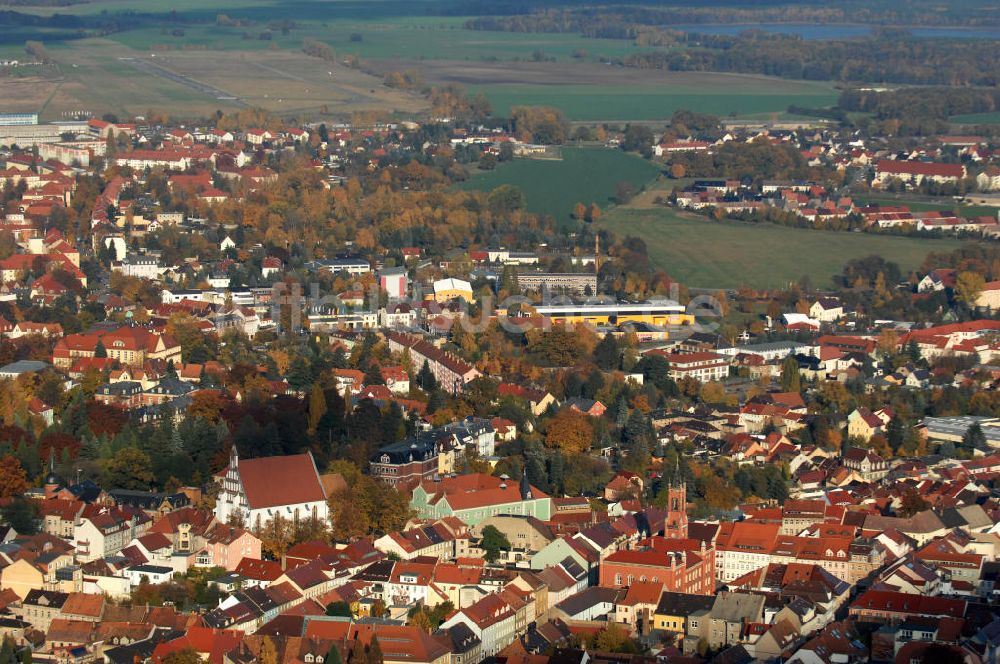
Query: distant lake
x=835, y=31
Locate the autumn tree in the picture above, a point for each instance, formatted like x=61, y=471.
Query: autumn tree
x=593, y=213
x=968, y=286
x=365, y=505
x=912, y=503
x=185, y=656
x=129, y=468
x=13, y=478
x=887, y=343
x=277, y=535
x=419, y=618
x=268, y=651
x=207, y=404
x=569, y=431
x=712, y=392
x=614, y=638
x=545, y=124
x=317, y=406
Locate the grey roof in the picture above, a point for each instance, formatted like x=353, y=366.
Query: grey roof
x=683, y=604
x=921, y=522
x=573, y=568
x=587, y=599
x=462, y=638
x=738, y=607
x=49, y=598
x=24, y=366
x=737, y=654
x=121, y=388
x=148, y=499
x=151, y=569
x=971, y=516
x=140, y=650
x=958, y=425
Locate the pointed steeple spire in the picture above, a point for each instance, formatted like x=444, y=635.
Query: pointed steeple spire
x=676, y=477
x=52, y=481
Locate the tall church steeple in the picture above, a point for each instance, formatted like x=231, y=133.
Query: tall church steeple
x=677, y=520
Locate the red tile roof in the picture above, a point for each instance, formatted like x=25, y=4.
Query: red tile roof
x=281, y=480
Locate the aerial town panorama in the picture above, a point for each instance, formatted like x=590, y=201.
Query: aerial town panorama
x=509, y=332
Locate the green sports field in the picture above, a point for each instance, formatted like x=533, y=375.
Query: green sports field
x=710, y=254
x=584, y=175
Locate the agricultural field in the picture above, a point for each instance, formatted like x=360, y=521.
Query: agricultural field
x=583, y=175
x=710, y=254
x=624, y=103
x=406, y=39
x=561, y=70
x=587, y=91
x=101, y=75
x=977, y=118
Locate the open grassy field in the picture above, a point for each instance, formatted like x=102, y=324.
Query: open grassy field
x=584, y=175
x=622, y=103
x=412, y=39
x=385, y=34
x=590, y=91
x=290, y=82
x=705, y=253
x=101, y=75
x=977, y=118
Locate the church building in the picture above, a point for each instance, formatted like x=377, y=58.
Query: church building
x=254, y=491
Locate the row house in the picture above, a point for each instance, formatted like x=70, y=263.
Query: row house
x=679, y=565
x=451, y=373
x=247, y=610
x=445, y=539
x=915, y=172
x=408, y=644
x=410, y=584
x=37, y=563
x=965, y=568
x=104, y=531
x=491, y=619
x=170, y=159
x=462, y=583
x=131, y=346
x=704, y=366
x=867, y=464
x=476, y=497
x=886, y=606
